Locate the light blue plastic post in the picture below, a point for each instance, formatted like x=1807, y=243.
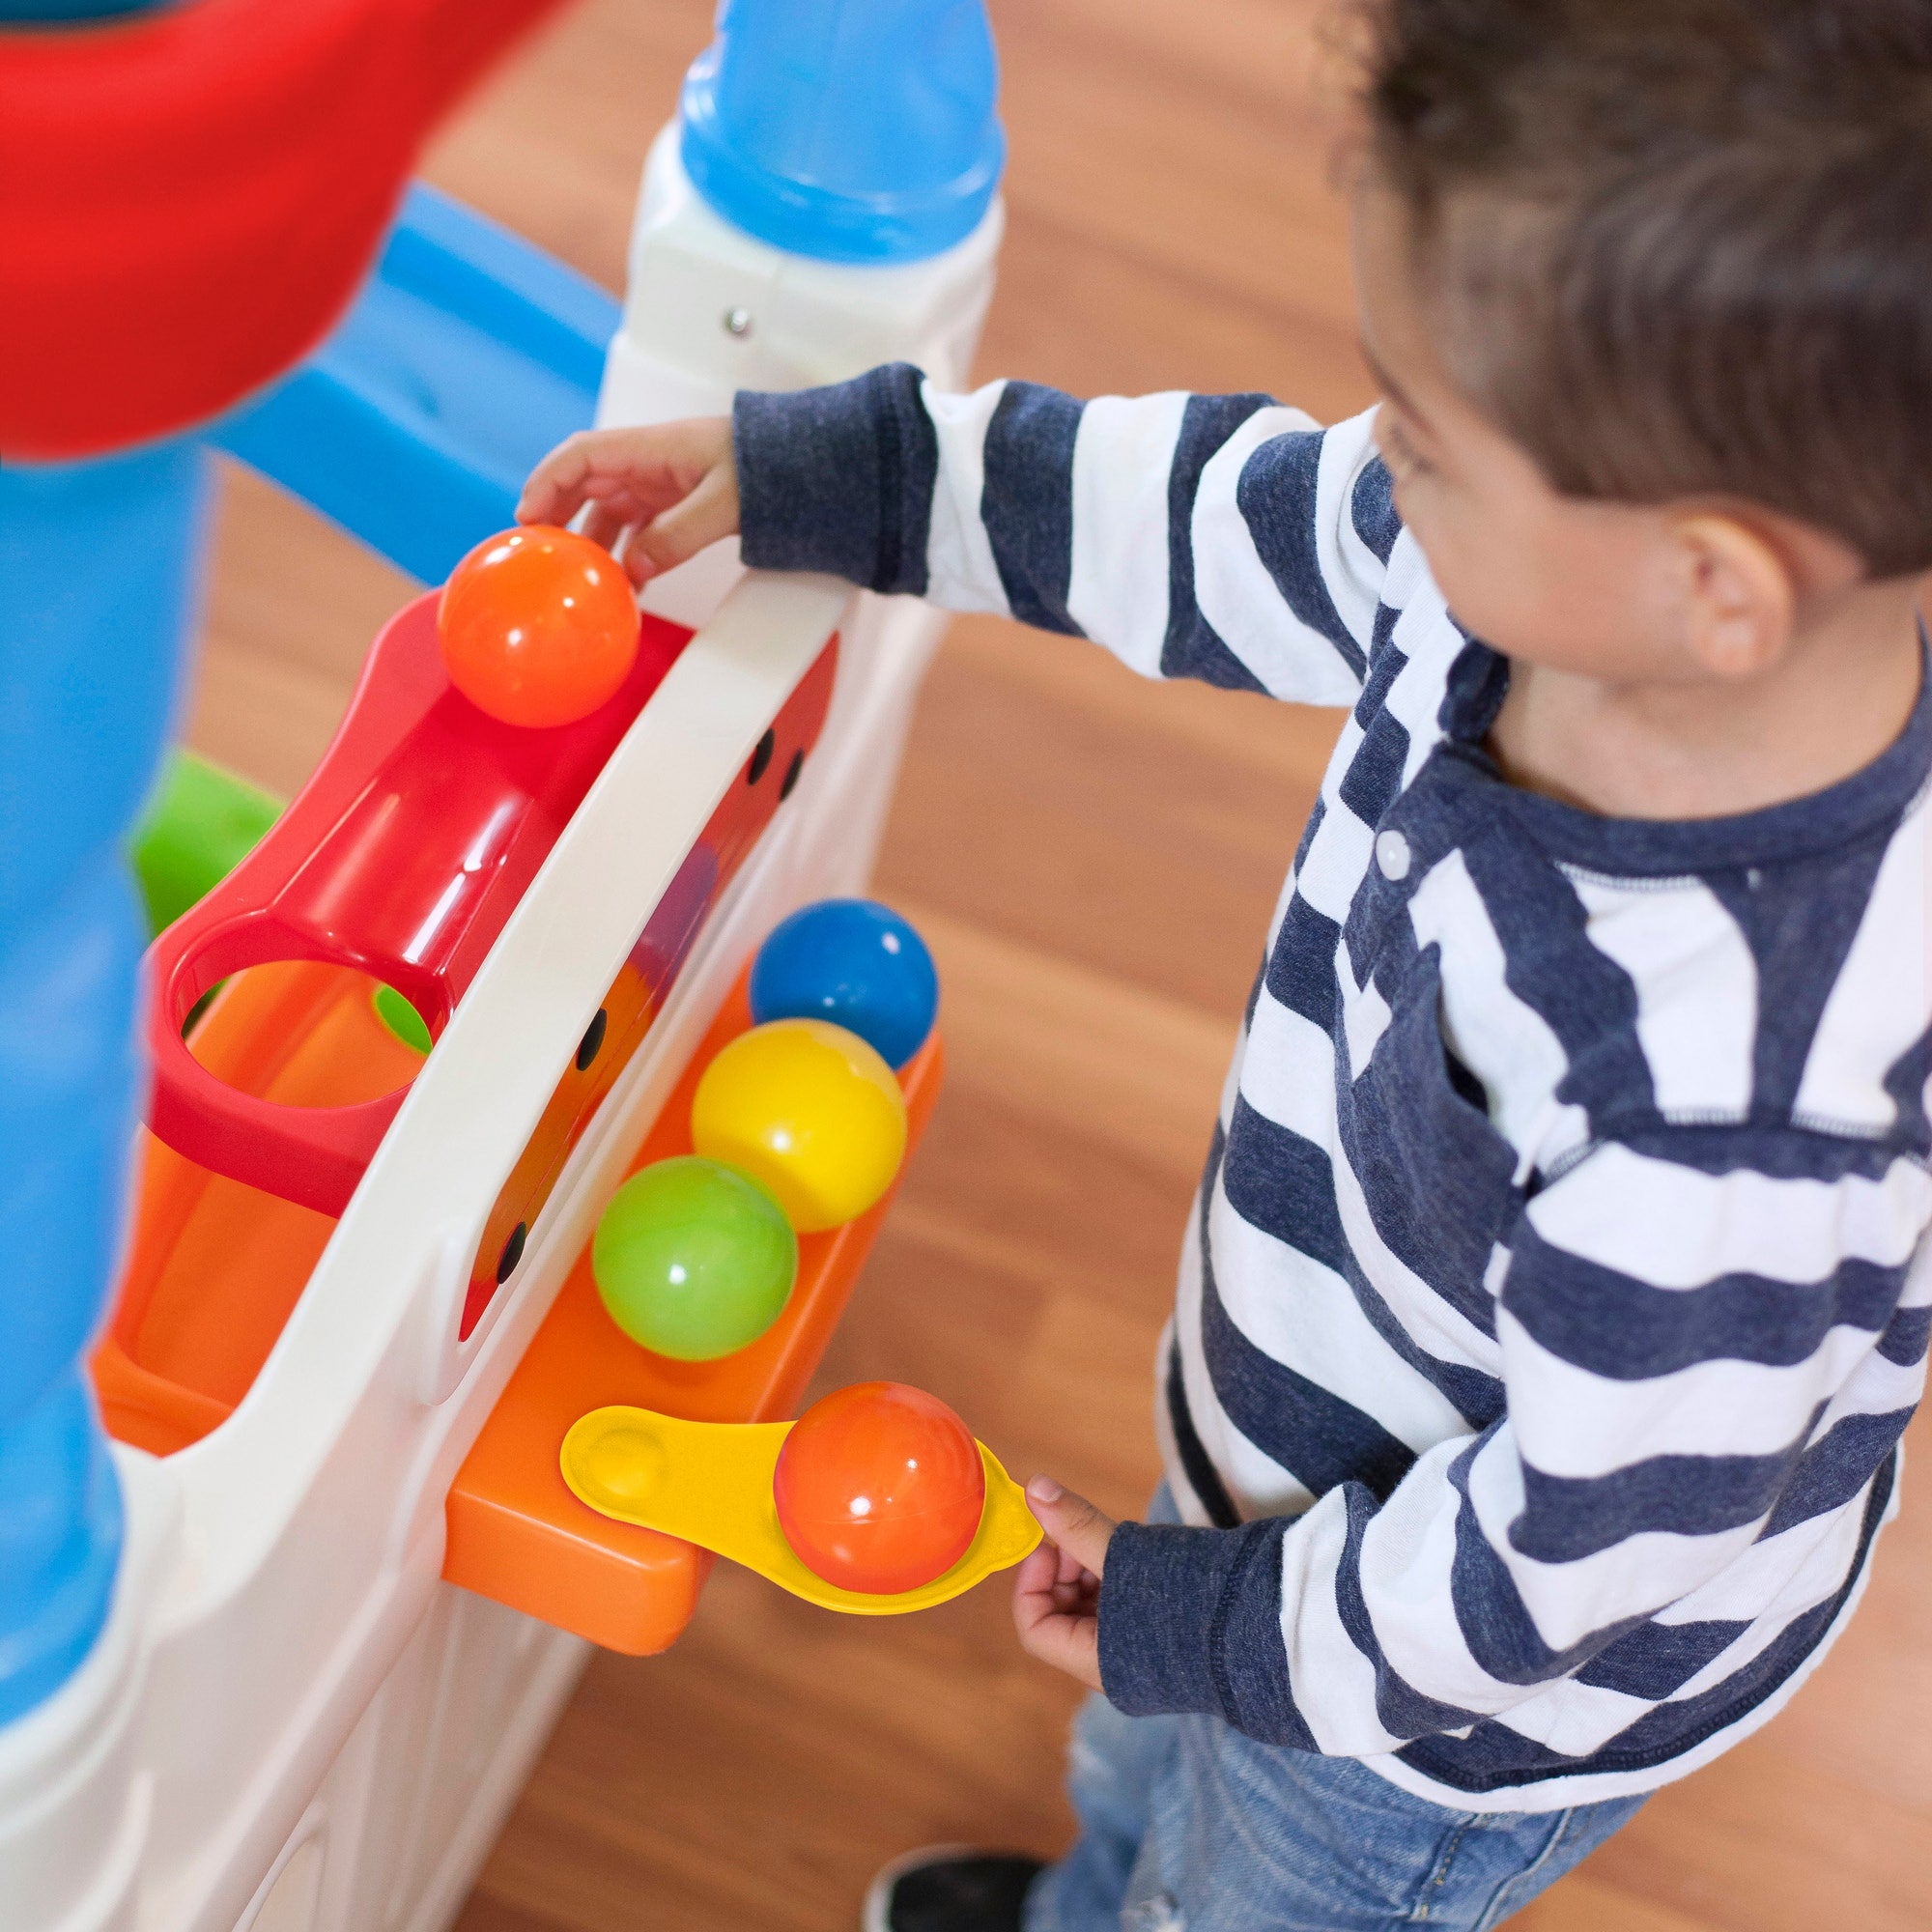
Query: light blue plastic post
x=849, y=130
x=96, y=567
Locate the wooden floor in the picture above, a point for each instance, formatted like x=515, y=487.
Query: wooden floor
x=1172, y=224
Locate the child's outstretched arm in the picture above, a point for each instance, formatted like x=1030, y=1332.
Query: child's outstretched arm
x=1709, y=1346
x=1706, y=1365
x=1216, y=537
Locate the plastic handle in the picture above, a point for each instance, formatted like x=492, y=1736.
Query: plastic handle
x=312, y=1155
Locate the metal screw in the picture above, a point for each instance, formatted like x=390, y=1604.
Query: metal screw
x=738, y=322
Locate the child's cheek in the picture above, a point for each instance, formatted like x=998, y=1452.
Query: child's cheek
x=1475, y=586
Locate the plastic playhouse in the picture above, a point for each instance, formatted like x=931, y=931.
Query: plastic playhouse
x=302, y=1306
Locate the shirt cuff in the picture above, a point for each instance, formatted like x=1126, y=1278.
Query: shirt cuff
x=839, y=479
x=1158, y=1601
x=1190, y=1620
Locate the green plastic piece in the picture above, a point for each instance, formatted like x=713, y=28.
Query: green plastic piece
x=694, y=1260
x=202, y=822
x=402, y=1019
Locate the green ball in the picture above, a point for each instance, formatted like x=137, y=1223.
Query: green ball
x=694, y=1260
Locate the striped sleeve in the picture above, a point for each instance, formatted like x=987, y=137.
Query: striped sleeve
x=1223, y=538
x=1711, y=1343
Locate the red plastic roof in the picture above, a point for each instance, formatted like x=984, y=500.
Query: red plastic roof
x=193, y=197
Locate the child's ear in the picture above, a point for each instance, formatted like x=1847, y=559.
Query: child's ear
x=1741, y=594
x=1749, y=582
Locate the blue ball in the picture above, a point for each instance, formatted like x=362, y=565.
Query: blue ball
x=853, y=962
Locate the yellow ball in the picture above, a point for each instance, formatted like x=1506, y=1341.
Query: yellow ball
x=811, y=1111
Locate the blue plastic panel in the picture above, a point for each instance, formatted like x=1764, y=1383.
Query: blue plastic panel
x=50, y=13
x=470, y=354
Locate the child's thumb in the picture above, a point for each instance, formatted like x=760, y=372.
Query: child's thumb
x=1081, y=1531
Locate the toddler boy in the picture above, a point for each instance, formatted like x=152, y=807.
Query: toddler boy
x=1558, y=1286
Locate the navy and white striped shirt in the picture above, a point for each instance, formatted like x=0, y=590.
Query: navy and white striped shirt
x=1558, y=1286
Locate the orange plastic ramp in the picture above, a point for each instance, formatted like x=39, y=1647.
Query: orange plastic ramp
x=516, y=1533
x=214, y=1267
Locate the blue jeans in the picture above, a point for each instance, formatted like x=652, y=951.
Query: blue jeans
x=1188, y=1826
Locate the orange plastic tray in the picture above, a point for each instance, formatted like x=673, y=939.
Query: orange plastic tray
x=516, y=1532
x=214, y=1266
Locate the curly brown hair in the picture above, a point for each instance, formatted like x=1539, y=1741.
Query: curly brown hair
x=1681, y=247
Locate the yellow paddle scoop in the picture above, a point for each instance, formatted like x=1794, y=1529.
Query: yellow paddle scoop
x=710, y=1483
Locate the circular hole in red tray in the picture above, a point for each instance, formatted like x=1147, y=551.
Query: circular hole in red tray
x=305, y=1033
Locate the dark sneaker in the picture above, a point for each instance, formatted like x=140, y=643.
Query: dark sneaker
x=949, y=1888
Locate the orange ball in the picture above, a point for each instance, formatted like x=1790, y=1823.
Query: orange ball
x=879, y=1488
x=538, y=626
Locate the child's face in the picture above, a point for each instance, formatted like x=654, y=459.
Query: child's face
x=1590, y=587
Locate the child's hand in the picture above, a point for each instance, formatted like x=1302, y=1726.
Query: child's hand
x=1057, y=1589
x=657, y=495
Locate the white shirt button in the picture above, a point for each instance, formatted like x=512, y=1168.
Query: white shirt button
x=1392, y=855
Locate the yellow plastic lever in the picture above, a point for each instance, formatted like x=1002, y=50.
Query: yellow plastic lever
x=710, y=1483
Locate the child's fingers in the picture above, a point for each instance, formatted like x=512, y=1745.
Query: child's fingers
x=611, y=509
x=1074, y=1575
x=639, y=472
x=1035, y=1583
x=677, y=535
x=1066, y=1635
x=559, y=486
x=1071, y=1644
x=605, y=523
x=1055, y=1606
x=1050, y=1583
x=1038, y=1572
x=627, y=468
